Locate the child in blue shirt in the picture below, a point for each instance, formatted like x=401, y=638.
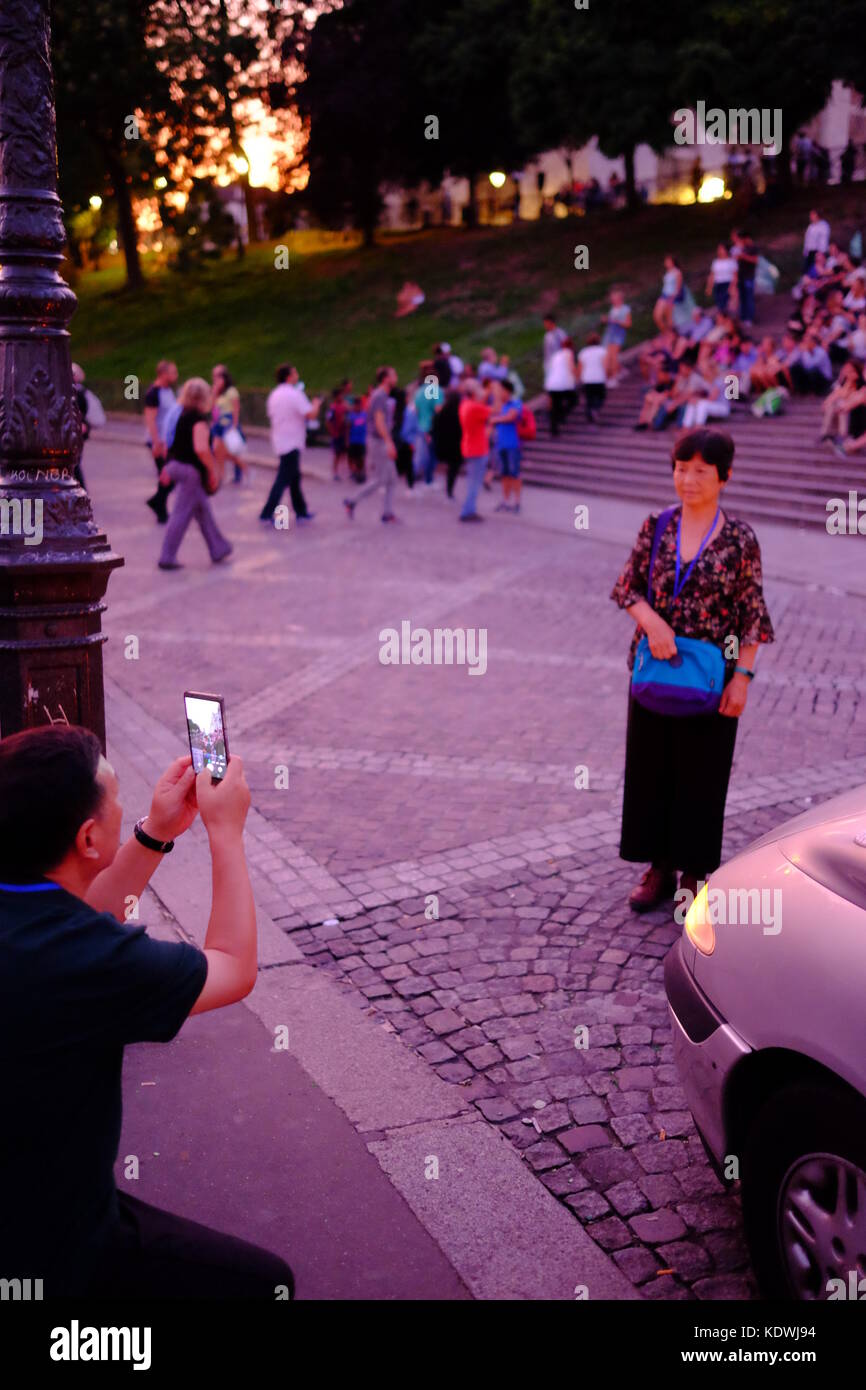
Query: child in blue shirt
x=507, y=446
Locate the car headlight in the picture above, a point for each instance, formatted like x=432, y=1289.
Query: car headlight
x=698, y=924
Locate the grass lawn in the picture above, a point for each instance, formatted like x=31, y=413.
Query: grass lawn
x=332, y=310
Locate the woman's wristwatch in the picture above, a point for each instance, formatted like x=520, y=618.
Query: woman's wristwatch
x=744, y=671
x=161, y=846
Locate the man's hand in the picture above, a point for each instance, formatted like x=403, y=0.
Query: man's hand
x=392, y=449
x=224, y=804
x=733, y=700
x=173, y=807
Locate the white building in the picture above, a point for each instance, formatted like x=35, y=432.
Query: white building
x=662, y=178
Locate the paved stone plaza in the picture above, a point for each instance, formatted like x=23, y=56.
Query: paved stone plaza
x=411, y=781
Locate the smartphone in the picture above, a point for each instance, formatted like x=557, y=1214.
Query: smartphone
x=206, y=726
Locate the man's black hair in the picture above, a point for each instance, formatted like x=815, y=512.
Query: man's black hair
x=715, y=447
x=48, y=789
x=283, y=372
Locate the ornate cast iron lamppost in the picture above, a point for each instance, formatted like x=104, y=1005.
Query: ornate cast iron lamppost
x=51, y=588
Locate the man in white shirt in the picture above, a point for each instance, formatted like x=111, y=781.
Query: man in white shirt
x=454, y=362
x=592, y=375
x=289, y=409
x=817, y=238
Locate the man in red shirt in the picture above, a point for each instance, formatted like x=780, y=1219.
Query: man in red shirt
x=475, y=412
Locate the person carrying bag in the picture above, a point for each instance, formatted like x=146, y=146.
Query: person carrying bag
x=693, y=586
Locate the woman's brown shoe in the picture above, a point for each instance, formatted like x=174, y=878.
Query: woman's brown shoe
x=656, y=886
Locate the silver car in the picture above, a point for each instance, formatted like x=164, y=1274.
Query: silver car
x=767, y=992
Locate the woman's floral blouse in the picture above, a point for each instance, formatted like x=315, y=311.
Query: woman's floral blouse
x=723, y=597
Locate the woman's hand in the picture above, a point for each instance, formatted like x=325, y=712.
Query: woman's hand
x=733, y=700
x=165, y=477
x=662, y=639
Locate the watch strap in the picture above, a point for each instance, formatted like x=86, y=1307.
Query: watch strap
x=161, y=846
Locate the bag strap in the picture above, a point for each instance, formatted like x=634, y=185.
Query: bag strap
x=661, y=526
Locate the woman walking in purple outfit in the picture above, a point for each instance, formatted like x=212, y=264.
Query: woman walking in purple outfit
x=193, y=468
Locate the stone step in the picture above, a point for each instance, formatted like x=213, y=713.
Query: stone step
x=795, y=512
x=781, y=472
x=801, y=466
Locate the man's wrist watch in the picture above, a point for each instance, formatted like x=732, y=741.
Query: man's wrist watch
x=161, y=846
x=744, y=671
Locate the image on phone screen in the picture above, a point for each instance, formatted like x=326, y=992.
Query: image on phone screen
x=205, y=721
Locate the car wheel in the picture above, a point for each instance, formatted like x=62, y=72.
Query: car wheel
x=804, y=1191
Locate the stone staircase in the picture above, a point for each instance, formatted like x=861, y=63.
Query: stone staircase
x=781, y=472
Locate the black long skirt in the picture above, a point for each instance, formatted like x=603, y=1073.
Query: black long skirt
x=676, y=781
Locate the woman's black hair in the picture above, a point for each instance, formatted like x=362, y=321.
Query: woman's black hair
x=48, y=789
x=227, y=378
x=715, y=447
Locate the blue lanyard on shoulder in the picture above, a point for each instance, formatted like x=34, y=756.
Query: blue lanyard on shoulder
x=678, y=587
x=30, y=887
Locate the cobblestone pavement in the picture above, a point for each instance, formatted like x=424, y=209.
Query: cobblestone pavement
x=407, y=782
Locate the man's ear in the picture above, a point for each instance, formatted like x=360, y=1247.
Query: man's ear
x=84, y=842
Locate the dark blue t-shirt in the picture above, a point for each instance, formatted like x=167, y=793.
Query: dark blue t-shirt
x=75, y=987
x=358, y=427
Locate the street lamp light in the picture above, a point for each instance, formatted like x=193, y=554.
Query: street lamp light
x=51, y=589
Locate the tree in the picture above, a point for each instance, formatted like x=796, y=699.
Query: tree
x=218, y=56
x=361, y=102
x=157, y=88
x=465, y=54
x=617, y=71
x=784, y=55
x=104, y=72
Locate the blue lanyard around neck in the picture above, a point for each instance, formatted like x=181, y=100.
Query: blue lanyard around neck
x=678, y=587
x=30, y=887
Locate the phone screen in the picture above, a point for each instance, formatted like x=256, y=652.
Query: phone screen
x=205, y=722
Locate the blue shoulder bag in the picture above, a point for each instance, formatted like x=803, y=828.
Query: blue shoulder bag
x=692, y=681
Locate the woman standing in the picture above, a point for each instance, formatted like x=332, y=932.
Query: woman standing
x=194, y=470
x=723, y=273
x=673, y=308
x=560, y=383
x=227, y=437
x=705, y=585
x=617, y=322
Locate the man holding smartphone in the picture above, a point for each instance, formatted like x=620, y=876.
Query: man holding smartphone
x=78, y=983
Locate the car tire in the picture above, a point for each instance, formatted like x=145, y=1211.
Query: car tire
x=802, y=1120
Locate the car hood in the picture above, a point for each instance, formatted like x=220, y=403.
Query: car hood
x=848, y=806
x=827, y=843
